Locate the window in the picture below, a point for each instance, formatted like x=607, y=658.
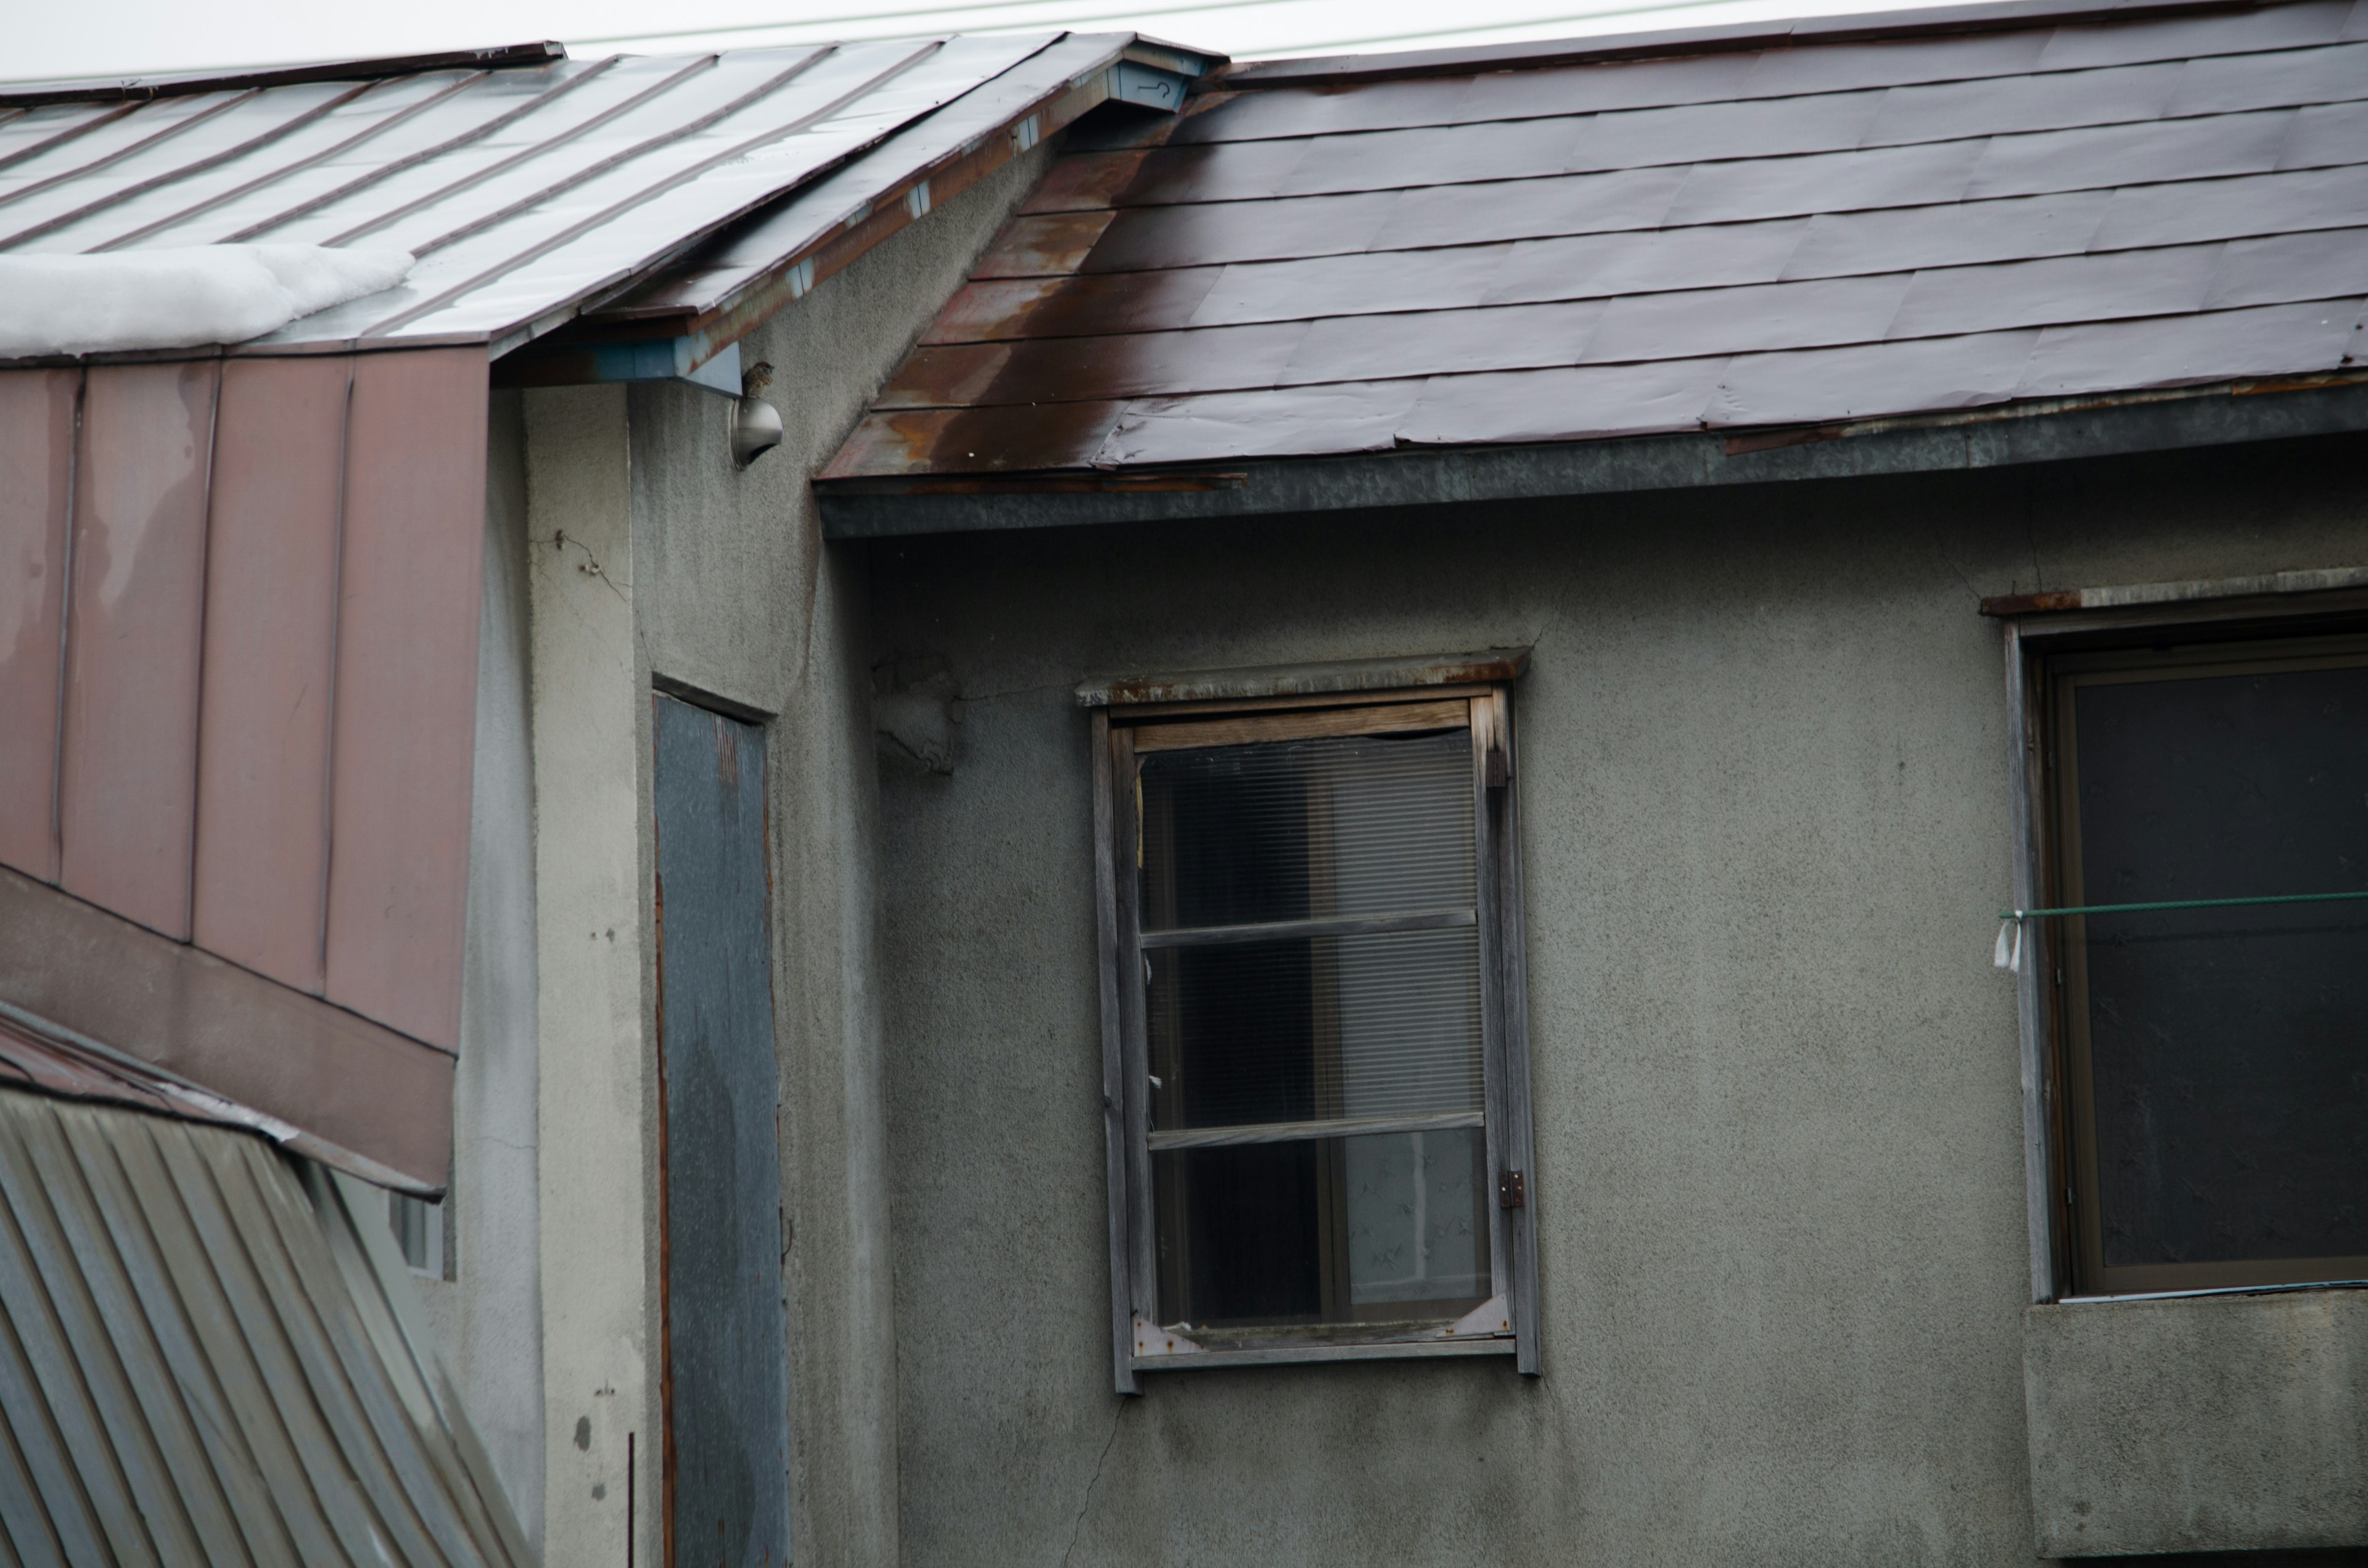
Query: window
x=2214, y=1060
x=418, y=1227
x=1318, y=1074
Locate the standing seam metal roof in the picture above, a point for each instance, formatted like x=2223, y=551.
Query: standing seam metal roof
x=529, y=192
x=207, y=1355
x=1349, y=261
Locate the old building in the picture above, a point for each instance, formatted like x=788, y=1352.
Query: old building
x=1596, y=801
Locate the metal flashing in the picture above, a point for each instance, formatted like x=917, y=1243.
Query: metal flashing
x=2057, y=430
x=1308, y=681
x=1939, y=21
x=2324, y=580
x=141, y=89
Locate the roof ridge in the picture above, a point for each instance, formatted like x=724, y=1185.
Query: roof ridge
x=84, y=90
x=1934, y=21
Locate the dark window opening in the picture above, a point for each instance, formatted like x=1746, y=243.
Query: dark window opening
x=2215, y=1059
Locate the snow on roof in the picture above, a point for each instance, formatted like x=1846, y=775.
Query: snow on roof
x=528, y=186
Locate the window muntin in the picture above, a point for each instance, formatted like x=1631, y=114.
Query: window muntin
x=1309, y=903
x=2216, y=1060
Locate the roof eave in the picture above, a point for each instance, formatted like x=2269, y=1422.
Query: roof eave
x=2053, y=431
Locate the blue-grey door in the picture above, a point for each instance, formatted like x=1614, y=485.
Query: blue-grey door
x=727, y=1346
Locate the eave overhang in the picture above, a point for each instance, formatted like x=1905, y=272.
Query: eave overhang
x=2053, y=431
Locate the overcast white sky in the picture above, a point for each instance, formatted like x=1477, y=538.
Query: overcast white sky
x=43, y=38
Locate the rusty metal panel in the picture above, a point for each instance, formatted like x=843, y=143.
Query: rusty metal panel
x=974, y=441
x=727, y=1333
x=271, y=617
x=403, y=729
x=127, y=781
x=37, y=445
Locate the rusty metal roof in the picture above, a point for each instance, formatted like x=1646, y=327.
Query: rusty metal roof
x=533, y=188
x=209, y=1353
x=1978, y=206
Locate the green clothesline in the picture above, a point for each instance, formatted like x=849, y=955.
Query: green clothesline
x=2180, y=904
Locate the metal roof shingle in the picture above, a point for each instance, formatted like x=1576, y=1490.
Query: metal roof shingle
x=1329, y=257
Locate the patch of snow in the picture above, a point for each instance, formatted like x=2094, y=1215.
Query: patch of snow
x=177, y=297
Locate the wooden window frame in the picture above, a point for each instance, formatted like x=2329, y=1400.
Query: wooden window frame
x=2042, y=648
x=1138, y=1343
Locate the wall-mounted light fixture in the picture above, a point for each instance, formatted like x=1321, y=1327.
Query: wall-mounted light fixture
x=756, y=424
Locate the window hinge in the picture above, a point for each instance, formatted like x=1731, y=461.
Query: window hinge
x=1512, y=1192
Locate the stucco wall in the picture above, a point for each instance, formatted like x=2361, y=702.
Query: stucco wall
x=488, y=1317
x=653, y=560
x=1779, y=1179
x=2228, y=1422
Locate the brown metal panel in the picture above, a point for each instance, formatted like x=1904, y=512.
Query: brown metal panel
x=1563, y=405
x=1591, y=265
x=1994, y=107
x=1318, y=111
x=1145, y=237
x=262, y=813
x=366, y=1099
x=1073, y=369
x=2131, y=154
x=1725, y=321
x=1960, y=233
x=2226, y=209
x=978, y=440
x=127, y=784
x=1572, y=204
x=2057, y=289
x=2283, y=267
x=1503, y=337
x=1045, y=246
x=1828, y=182
x=2271, y=27
x=404, y=728
x=37, y=440
x=2223, y=346
x=1084, y=182
x=2337, y=133
x=1824, y=384
x=1062, y=307
x=1360, y=417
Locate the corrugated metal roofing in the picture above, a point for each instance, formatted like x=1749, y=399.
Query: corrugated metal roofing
x=529, y=192
x=1337, y=258
x=204, y=1358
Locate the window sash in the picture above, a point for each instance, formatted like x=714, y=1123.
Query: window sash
x=2062, y=961
x=1120, y=740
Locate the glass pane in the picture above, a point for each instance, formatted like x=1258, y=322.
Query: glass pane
x=2229, y=1048
x=1389, y=1228
x=1297, y=830
x=1329, y=1026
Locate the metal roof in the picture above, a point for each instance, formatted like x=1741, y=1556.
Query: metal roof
x=207, y=1354
x=533, y=188
x=1982, y=207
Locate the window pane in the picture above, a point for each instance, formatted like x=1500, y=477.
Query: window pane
x=1329, y=1026
x=2229, y=1048
x=1297, y=830
x=1389, y=1228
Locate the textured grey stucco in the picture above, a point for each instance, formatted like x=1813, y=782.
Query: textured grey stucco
x=737, y=598
x=1779, y=1180
x=489, y=1318
x=2228, y=1423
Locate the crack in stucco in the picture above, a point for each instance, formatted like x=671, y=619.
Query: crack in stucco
x=1077, y=1526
